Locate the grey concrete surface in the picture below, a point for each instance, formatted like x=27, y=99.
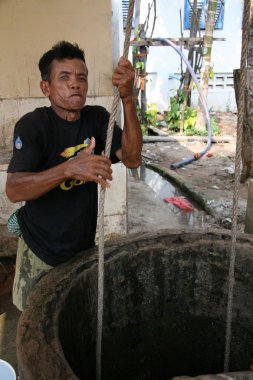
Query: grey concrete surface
x=146, y=211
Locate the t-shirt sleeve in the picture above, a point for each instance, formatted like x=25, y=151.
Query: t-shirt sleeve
x=117, y=134
x=27, y=148
x=116, y=143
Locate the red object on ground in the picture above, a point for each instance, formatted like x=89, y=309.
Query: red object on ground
x=209, y=154
x=197, y=155
x=181, y=203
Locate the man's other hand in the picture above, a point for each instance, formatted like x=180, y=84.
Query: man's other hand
x=90, y=167
x=123, y=78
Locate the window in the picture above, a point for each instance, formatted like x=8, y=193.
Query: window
x=202, y=4
x=125, y=6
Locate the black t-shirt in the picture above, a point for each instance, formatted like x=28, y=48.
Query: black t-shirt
x=62, y=222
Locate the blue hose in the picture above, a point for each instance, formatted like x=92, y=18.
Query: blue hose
x=203, y=101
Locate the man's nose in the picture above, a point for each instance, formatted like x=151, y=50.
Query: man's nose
x=74, y=83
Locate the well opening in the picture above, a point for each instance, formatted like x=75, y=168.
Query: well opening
x=164, y=309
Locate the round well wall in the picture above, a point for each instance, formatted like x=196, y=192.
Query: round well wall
x=164, y=310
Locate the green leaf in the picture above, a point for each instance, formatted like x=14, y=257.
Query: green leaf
x=139, y=65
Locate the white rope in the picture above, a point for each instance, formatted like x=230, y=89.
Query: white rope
x=101, y=204
x=231, y=274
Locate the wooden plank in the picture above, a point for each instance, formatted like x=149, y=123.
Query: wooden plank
x=158, y=131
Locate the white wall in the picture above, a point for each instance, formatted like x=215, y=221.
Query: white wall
x=165, y=61
x=28, y=28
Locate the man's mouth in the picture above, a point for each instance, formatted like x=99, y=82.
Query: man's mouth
x=79, y=95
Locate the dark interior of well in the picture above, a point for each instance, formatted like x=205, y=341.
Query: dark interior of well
x=164, y=314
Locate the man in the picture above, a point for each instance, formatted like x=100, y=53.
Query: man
x=58, y=161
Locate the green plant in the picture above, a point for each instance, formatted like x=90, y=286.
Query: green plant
x=173, y=118
x=135, y=49
x=139, y=65
x=193, y=131
x=144, y=130
x=138, y=112
x=151, y=114
x=214, y=126
x=180, y=96
x=190, y=117
x=211, y=71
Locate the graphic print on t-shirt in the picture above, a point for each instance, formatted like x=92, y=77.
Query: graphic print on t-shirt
x=18, y=143
x=69, y=153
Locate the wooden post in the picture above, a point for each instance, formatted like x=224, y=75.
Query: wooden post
x=249, y=211
x=207, y=52
x=139, y=64
x=143, y=50
x=188, y=81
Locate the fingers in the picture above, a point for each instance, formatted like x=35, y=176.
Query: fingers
x=124, y=66
x=102, y=170
x=124, y=62
x=101, y=173
x=123, y=78
x=124, y=70
x=102, y=182
x=91, y=167
x=91, y=146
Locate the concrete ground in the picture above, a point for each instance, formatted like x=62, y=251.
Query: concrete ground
x=208, y=182
x=146, y=210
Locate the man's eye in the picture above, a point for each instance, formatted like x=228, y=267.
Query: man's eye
x=63, y=77
x=83, y=79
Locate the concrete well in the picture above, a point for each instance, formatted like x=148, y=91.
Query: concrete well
x=164, y=311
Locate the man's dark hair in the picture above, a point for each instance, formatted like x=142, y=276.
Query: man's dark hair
x=61, y=50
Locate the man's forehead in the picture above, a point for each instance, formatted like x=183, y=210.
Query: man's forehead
x=68, y=64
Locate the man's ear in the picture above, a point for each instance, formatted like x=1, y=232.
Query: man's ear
x=44, y=85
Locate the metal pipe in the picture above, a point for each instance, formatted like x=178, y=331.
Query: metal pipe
x=204, y=103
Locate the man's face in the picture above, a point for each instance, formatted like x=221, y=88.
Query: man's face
x=68, y=84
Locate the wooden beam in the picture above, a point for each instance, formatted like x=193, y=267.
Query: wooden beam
x=185, y=41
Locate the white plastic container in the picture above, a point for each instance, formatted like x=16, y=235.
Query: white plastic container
x=6, y=371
